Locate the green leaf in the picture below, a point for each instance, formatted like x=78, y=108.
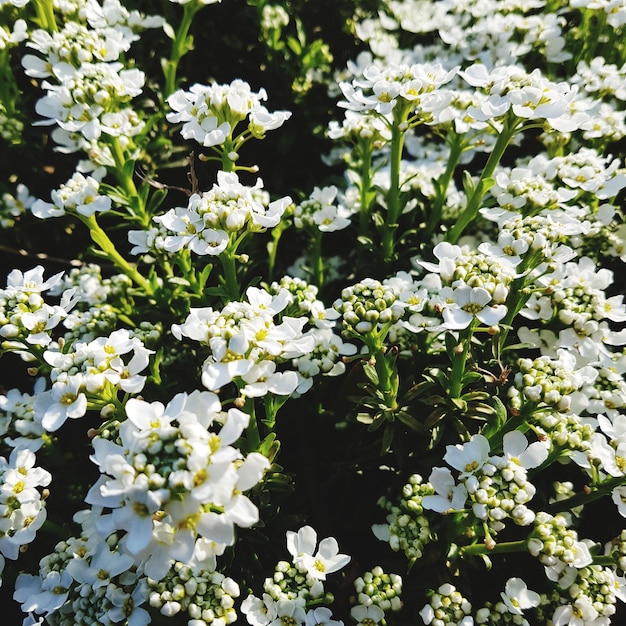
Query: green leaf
x=468, y=184
x=294, y=45
x=410, y=421
x=460, y=404
x=370, y=372
x=436, y=416
x=178, y=280
x=471, y=377
x=387, y=438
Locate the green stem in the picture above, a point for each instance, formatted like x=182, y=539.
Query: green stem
x=589, y=495
x=365, y=188
x=385, y=365
x=253, y=436
x=511, y=126
x=127, y=182
x=317, y=261
x=500, y=548
x=393, y=196
x=442, y=184
x=459, y=361
x=180, y=46
x=100, y=238
x=227, y=259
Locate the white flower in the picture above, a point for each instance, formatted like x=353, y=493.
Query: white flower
x=322, y=616
x=468, y=458
x=367, y=615
x=288, y=612
x=449, y=495
x=327, y=559
x=517, y=597
x=469, y=303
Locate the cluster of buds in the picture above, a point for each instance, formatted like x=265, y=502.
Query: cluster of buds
x=569, y=431
x=549, y=381
x=305, y=302
x=207, y=597
x=460, y=267
x=555, y=544
x=290, y=582
x=447, y=606
x=592, y=594
x=500, y=491
x=379, y=589
x=407, y=528
x=367, y=307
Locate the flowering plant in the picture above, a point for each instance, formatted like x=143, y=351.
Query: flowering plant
x=399, y=326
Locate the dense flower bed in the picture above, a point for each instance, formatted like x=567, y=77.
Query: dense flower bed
x=313, y=312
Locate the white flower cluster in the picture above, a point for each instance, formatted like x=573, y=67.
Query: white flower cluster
x=20, y=428
x=600, y=77
x=592, y=594
x=174, y=482
x=475, y=284
x=414, y=89
x=528, y=95
x=214, y=219
x=325, y=358
x=322, y=211
x=25, y=318
x=96, y=312
x=246, y=345
x=406, y=527
x=96, y=369
x=88, y=100
x=210, y=113
x=13, y=206
x=515, y=599
x=294, y=584
x=85, y=580
x=360, y=127
x=87, y=87
x=79, y=194
x=207, y=597
x=495, y=485
x=22, y=508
